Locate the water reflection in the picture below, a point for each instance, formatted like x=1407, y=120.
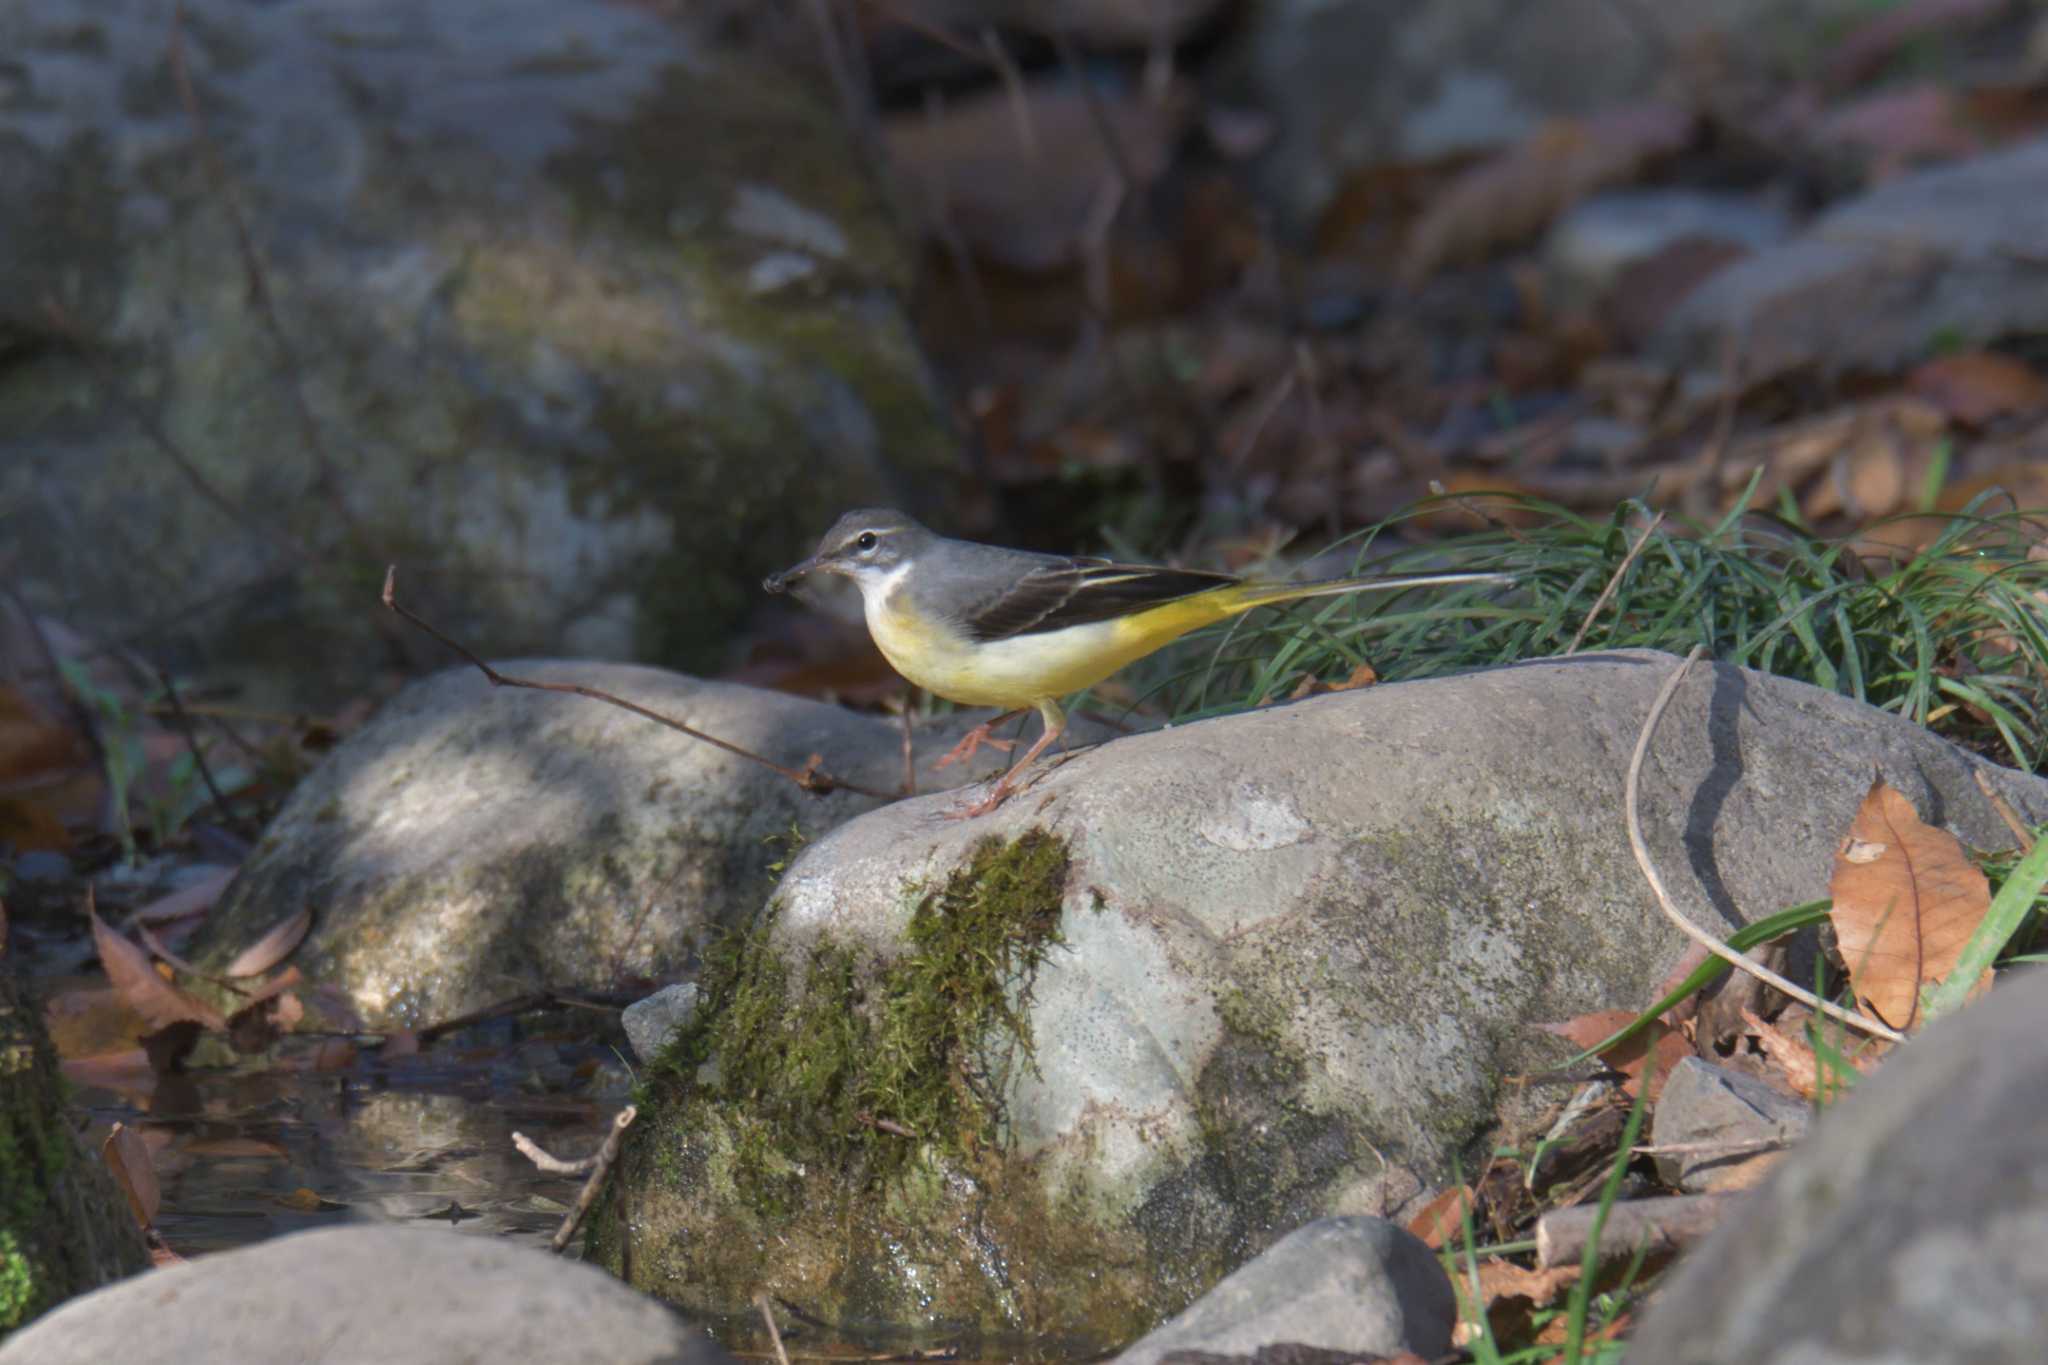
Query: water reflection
x=252, y=1153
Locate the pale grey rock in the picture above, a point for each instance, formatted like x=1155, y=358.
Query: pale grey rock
x=532, y=337
x=650, y=1022
x=1949, y=255
x=1908, y=1227
x=398, y=1296
x=1368, y=81
x=1346, y=1284
x=471, y=842
x=1302, y=945
x=1706, y=1104
x=1594, y=241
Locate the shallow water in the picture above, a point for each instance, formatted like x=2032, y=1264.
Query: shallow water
x=248, y=1154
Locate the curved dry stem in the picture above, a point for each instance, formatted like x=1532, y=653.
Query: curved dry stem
x=1631, y=789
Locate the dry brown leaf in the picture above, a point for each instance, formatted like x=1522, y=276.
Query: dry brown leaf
x=1500, y=1279
x=1514, y=195
x=194, y=898
x=1907, y=897
x=158, y=1002
x=1630, y=1058
x=274, y=947
x=1977, y=386
x=1794, y=1057
x=127, y=1157
x=1442, y=1219
x=1790, y=455
x=1312, y=686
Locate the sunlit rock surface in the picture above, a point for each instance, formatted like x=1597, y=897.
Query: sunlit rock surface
x=1297, y=953
x=472, y=843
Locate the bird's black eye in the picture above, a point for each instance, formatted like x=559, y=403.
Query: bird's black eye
x=868, y=540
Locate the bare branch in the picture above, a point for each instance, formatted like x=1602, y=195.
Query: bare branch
x=811, y=777
x=1631, y=790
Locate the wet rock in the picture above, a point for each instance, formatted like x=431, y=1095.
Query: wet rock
x=1739, y=1122
x=649, y=1022
x=471, y=843
x=64, y=1226
x=527, y=355
x=1379, y=80
x=1944, y=256
x=1907, y=1227
x=1267, y=967
x=1349, y=1284
x=407, y=1296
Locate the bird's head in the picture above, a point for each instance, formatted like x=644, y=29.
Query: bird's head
x=869, y=545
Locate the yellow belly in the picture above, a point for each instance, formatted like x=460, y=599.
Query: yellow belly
x=1026, y=669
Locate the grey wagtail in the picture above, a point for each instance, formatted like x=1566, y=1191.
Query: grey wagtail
x=985, y=626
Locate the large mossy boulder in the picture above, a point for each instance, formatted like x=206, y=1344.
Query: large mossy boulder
x=1035, y=1081
x=584, y=320
x=64, y=1227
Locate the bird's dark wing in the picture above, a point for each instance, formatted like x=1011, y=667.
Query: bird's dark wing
x=1074, y=592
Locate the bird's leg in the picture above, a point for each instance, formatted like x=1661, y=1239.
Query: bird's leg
x=1055, y=726
x=978, y=736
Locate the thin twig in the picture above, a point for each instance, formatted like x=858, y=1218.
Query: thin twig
x=2006, y=813
x=1742, y=1148
x=553, y=1165
x=811, y=777
x=599, y=1166
x=1614, y=582
x=518, y=1004
x=191, y=732
x=1631, y=789
x=774, y=1332
x=865, y=1119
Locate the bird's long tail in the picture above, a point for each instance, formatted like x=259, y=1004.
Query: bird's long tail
x=1245, y=596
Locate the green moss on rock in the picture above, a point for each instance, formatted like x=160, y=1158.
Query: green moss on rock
x=830, y=1127
x=64, y=1229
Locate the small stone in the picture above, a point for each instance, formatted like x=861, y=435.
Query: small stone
x=1741, y=1116
x=650, y=1023
x=1348, y=1284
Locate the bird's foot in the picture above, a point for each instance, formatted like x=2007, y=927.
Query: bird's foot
x=1001, y=792
x=974, y=739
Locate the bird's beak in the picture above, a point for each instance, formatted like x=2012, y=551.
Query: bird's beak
x=780, y=582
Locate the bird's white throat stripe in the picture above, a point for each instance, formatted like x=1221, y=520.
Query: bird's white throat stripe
x=875, y=591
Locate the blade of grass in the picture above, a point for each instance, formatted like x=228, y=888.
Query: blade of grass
x=1589, y=1259
x=2008, y=909
x=1708, y=972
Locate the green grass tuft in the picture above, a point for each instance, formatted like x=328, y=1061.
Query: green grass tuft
x=1954, y=637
